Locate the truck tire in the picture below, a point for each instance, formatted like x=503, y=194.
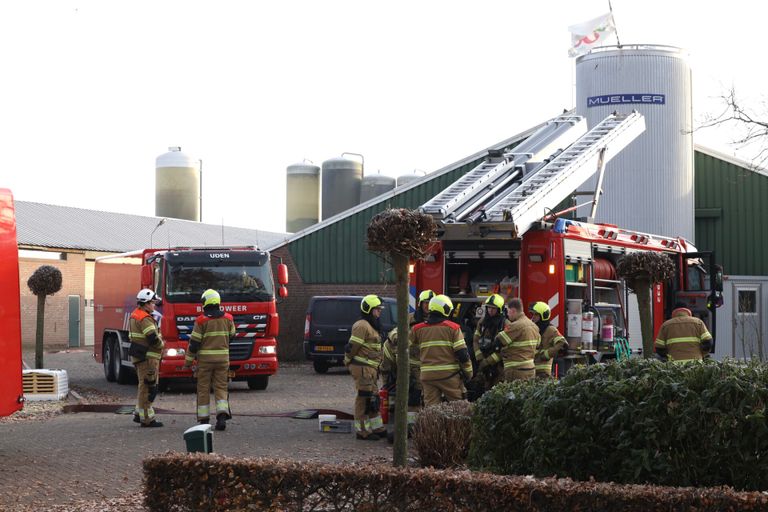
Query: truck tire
x=107, y=360
x=258, y=382
x=320, y=366
x=163, y=385
x=122, y=374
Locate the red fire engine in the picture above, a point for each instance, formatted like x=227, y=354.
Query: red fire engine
x=493, y=239
x=243, y=277
x=11, y=391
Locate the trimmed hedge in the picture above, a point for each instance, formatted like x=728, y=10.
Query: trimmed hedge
x=639, y=421
x=441, y=435
x=176, y=482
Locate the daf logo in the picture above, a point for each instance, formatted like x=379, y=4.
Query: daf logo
x=317, y=332
x=219, y=255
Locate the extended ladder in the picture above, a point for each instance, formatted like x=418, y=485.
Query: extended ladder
x=500, y=170
x=550, y=184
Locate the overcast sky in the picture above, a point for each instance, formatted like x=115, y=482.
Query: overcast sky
x=93, y=91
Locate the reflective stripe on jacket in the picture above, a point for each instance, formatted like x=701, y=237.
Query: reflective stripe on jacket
x=682, y=336
x=365, y=345
x=140, y=326
x=440, y=346
x=519, y=341
x=213, y=334
x=551, y=343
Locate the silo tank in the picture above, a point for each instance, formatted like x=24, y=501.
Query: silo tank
x=177, y=185
x=375, y=185
x=341, y=180
x=407, y=179
x=649, y=185
x=302, y=205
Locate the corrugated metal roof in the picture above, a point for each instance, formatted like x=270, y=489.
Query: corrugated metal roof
x=65, y=227
x=334, y=251
x=732, y=212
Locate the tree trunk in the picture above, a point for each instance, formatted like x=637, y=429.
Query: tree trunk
x=39, y=331
x=400, y=450
x=642, y=290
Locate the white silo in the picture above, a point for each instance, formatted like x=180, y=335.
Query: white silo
x=407, y=179
x=373, y=185
x=302, y=205
x=648, y=186
x=177, y=185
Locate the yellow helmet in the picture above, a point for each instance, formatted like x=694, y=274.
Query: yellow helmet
x=210, y=297
x=495, y=300
x=541, y=309
x=426, y=295
x=441, y=304
x=370, y=302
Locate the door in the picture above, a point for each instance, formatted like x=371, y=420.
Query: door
x=74, y=320
x=747, y=323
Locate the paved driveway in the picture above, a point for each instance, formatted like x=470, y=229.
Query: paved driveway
x=71, y=457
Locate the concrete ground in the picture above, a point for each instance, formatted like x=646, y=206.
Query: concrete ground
x=67, y=458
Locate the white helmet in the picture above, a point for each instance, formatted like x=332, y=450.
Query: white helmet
x=145, y=295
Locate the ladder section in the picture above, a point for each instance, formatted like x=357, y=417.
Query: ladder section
x=491, y=177
x=553, y=182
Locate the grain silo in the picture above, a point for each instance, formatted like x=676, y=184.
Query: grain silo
x=374, y=185
x=407, y=179
x=302, y=205
x=649, y=185
x=177, y=185
x=341, y=179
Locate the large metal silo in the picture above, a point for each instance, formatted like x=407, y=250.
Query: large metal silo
x=302, y=205
x=374, y=185
x=177, y=185
x=341, y=179
x=407, y=179
x=648, y=186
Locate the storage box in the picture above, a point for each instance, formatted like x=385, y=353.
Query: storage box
x=574, y=272
x=340, y=427
x=199, y=439
x=43, y=384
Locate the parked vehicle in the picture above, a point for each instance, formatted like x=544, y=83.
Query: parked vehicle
x=328, y=325
x=11, y=390
x=243, y=277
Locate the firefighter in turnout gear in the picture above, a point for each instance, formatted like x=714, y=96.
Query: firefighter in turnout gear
x=683, y=337
x=389, y=371
x=209, y=344
x=445, y=362
x=516, y=344
x=493, y=322
x=146, y=350
x=552, y=342
x=422, y=308
x=363, y=357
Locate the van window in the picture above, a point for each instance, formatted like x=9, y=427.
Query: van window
x=336, y=312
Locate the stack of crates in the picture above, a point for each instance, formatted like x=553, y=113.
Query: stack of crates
x=39, y=385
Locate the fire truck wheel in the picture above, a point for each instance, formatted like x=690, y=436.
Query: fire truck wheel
x=122, y=373
x=258, y=382
x=320, y=366
x=162, y=385
x=107, y=359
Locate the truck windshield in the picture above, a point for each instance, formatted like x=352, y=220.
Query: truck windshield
x=235, y=282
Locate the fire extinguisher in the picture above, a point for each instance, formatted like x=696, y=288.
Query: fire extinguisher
x=384, y=404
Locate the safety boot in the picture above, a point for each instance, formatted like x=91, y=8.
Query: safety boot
x=221, y=422
x=369, y=437
x=152, y=424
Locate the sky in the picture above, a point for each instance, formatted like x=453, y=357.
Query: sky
x=93, y=91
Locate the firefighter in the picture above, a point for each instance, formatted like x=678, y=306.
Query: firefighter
x=145, y=351
x=552, y=342
x=389, y=371
x=209, y=344
x=445, y=362
x=363, y=357
x=492, y=322
x=516, y=344
x=422, y=308
x=683, y=337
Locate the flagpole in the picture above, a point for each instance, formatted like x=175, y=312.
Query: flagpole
x=610, y=8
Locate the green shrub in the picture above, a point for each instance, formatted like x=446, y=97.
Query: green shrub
x=441, y=434
x=638, y=421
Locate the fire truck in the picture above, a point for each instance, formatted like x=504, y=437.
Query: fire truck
x=497, y=234
x=243, y=277
x=11, y=390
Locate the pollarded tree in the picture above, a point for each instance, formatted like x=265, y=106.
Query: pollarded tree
x=401, y=235
x=641, y=270
x=45, y=281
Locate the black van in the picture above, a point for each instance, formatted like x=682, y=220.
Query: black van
x=329, y=323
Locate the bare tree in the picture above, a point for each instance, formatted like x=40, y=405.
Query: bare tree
x=401, y=235
x=45, y=281
x=641, y=270
x=752, y=125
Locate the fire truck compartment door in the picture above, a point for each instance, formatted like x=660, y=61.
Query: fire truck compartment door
x=576, y=250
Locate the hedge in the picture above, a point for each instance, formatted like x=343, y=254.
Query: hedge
x=639, y=421
x=176, y=482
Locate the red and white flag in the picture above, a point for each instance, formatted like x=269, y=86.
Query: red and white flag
x=590, y=34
